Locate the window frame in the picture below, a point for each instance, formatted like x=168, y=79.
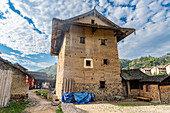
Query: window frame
x=85, y=63
x=82, y=40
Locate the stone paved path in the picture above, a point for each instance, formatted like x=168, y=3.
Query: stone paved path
x=112, y=107
x=42, y=106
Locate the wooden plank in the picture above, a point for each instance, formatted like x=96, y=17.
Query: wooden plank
x=5, y=87
x=2, y=83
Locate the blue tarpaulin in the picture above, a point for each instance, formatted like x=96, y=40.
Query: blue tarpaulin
x=67, y=97
x=77, y=98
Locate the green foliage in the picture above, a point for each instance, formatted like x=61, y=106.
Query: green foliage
x=144, y=62
x=51, y=71
x=14, y=108
x=59, y=110
x=42, y=92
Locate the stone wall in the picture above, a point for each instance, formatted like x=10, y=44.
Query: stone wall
x=165, y=94
x=153, y=93
x=134, y=93
x=107, y=93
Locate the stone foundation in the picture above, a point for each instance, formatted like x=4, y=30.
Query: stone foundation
x=19, y=97
x=165, y=94
x=107, y=93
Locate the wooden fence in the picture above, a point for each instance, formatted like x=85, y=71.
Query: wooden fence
x=5, y=87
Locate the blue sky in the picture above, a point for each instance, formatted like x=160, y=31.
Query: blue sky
x=25, y=27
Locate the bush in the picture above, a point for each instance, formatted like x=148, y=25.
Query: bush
x=42, y=92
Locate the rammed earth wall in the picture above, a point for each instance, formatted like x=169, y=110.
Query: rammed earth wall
x=71, y=62
x=19, y=88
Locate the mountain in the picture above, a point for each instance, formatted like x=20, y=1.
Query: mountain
x=51, y=70
x=142, y=62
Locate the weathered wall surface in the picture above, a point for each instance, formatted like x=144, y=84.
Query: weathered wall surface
x=88, y=20
x=88, y=79
x=134, y=93
x=60, y=70
x=19, y=87
x=168, y=69
x=153, y=93
x=165, y=94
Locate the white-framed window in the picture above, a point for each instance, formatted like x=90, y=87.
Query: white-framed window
x=88, y=63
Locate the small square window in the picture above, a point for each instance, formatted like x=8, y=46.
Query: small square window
x=102, y=84
x=88, y=63
x=105, y=61
x=82, y=40
x=92, y=21
x=103, y=42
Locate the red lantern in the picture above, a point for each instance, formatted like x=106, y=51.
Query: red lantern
x=26, y=80
x=32, y=82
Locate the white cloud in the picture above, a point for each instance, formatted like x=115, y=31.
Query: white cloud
x=150, y=19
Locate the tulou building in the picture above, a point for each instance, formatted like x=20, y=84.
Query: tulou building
x=86, y=46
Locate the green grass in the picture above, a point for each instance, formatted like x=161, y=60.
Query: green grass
x=42, y=92
x=14, y=108
x=59, y=110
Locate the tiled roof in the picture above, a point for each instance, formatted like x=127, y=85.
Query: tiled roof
x=132, y=74
x=16, y=67
x=155, y=78
x=40, y=75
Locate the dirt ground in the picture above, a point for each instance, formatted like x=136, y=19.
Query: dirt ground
x=124, y=107
x=41, y=106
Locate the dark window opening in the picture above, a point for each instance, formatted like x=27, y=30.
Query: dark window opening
x=88, y=63
x=103, y=42
x=134, y=84
x=147, y=88
x=82, y=40
x=141, y=86
x=102, y=84
x=105, y=61
x=92, y=21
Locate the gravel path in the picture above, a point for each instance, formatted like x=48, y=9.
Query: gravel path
x=113, y=107
x=41, y=106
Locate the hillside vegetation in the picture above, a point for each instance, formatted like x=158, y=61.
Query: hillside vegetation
x=51, y=70
x=144, y=62
x=125, y=64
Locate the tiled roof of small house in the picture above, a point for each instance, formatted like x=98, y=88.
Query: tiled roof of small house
x=132, y=74
x=16, y=67
x=19, y=66
x=40, y=75
x=155, y=78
